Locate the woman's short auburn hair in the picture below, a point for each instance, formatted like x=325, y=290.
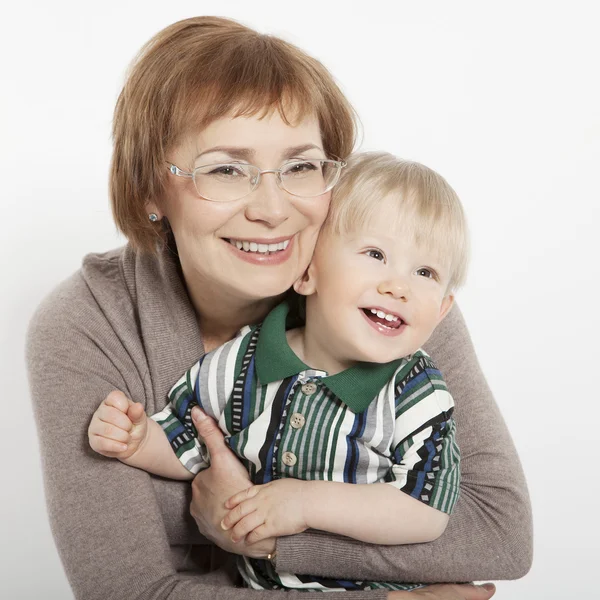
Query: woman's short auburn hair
x=194, y=72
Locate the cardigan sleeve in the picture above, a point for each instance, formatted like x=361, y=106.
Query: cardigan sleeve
x=489, y=535
x=105, y=516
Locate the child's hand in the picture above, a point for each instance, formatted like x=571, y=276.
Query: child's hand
x=264, y=511
x=119, y=427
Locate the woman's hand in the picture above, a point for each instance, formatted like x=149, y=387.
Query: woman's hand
x=212, y=487
x=447, y=591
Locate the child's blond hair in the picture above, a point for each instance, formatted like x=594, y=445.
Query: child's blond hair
x=428, y=208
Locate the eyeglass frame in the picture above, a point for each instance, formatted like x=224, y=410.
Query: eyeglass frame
x=175, y=170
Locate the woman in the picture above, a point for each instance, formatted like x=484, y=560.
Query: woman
x=204, y=92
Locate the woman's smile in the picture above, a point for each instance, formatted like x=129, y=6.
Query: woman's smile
x=263, y=251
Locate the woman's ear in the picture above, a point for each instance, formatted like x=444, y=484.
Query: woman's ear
x=152, y=208
x=306, y=284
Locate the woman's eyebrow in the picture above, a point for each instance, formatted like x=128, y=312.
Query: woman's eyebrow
x=248, y=153
x=233, y=151
x=295, y=150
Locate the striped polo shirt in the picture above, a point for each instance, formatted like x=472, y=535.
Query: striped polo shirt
x=371, y=423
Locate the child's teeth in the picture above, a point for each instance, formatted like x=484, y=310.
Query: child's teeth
x=389, y=318
x=373, y=311
x=380, y=314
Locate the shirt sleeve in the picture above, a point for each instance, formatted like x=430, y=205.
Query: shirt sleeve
x=425, y=453
x=208, y=384
x=176, y=421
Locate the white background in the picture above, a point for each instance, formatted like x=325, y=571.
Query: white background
x=503, y=100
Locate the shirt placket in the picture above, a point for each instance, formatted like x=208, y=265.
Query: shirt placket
x=285, y=457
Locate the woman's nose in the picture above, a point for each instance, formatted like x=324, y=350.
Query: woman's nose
x=397, y=287
x=268, y=202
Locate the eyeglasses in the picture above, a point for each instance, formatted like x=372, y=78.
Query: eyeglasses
x=225, y=182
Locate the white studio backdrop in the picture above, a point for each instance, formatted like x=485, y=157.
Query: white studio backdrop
x=502, y=99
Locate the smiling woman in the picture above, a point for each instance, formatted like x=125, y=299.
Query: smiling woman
x=228, y=284
x=198, y=266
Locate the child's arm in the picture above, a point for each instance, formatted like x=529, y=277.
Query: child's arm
x=376, y=513
x=121, y=429
x=422, y=484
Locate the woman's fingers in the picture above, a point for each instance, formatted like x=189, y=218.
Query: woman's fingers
x=258, y=535
x=448, y=591
x=210, y=433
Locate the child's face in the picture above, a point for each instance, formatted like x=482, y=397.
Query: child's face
x=357, y=277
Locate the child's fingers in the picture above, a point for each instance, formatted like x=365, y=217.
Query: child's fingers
x=108, y=431
x=136, y=413
x=114, y=416
x=237, y=513
x=106, y=447
x=245, y=526
x=241, y=496
x=117, y=400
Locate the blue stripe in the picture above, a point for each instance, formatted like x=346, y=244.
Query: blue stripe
x=246, y=393
x=177, y=431
x=420, y=482
x=411, y=383
x=351, y=465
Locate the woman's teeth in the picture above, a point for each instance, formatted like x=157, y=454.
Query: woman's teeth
x=261, y=248
x=383, y=315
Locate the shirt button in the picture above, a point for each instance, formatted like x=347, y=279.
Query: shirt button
x=297, y=421
x=309, y=388
x=289, y=459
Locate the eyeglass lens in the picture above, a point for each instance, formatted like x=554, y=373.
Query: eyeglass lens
x=226, y=182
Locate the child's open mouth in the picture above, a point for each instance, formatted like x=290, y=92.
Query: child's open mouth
x=383, y=318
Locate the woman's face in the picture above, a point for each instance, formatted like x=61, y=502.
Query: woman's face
x=206, y=232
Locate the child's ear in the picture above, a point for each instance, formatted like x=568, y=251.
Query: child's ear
x=447, y=303
x=306, y=284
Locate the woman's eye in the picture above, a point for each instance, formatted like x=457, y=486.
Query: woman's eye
x=425, y=272
x=376, y=254
x=228, y=171
x=301, y=168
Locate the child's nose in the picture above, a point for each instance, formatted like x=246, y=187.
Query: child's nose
x=398, y=288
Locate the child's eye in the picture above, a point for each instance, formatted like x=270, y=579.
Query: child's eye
x=425, y=272
x=376, y=254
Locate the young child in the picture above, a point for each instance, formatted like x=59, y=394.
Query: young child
x=349, y=398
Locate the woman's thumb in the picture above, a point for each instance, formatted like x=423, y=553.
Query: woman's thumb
x=209, y=432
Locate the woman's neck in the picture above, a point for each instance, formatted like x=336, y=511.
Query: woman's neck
x=221, y=315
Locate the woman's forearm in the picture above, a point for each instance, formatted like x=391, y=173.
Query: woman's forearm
x=489, y=535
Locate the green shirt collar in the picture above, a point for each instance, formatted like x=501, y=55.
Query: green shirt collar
x=275, y=360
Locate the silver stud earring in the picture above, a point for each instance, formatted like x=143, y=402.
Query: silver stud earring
x=153, y=217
